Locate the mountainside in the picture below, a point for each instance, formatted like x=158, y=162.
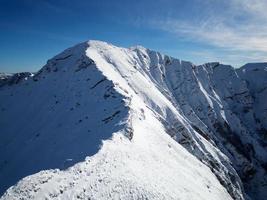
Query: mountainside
x=103, y=122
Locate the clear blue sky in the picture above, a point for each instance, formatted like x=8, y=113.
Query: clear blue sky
x=232, y=32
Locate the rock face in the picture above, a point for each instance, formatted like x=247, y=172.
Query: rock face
x=103, y=122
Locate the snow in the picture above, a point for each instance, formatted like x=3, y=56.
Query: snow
x=104, y=122
x=135, y=169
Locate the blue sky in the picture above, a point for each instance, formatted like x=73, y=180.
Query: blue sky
x=229, y=31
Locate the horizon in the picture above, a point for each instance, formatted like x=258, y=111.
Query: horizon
x=232, y=33
x=236, y=67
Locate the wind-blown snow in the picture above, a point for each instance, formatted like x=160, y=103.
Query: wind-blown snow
x=104, y=122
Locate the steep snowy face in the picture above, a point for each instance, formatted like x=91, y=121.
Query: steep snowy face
x=220, y=105
x=257, y=89
x=170, y=129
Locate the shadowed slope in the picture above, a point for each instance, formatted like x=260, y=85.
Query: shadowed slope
x=56, y=118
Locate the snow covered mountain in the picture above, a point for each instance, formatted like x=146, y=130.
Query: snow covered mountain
x=103, y=122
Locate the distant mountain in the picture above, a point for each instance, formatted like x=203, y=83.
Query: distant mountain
x=11, y=79
x=103, y=122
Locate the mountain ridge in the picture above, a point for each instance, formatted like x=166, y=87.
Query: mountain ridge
x=197, y=106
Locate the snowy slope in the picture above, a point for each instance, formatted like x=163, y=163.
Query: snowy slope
x=104, y=122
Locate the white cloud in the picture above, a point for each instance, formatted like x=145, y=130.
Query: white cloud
x=256, y=8
x=239, y=27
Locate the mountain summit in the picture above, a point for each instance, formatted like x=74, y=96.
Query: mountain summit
x=104, y=122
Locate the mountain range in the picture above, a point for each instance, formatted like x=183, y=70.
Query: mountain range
x=105, y=122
